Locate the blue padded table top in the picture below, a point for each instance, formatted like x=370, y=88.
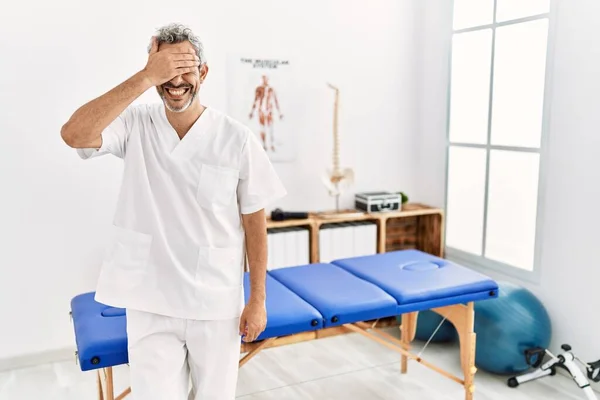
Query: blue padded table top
x=412, y=276
x=100, y=333
x=287, y=313
x=338, y=295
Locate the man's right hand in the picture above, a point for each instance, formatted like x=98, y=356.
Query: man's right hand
x=85, y=127
x=162, y=66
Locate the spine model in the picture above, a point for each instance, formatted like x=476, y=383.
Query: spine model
x=337, y=178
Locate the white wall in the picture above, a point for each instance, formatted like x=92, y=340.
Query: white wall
x=569, y=262
x=57, y=55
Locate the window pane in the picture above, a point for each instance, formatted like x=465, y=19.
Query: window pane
x=512, y=207
x=470, y=13
x=519, y=74
x=513, y=9
x=470, y=86
x=466, y=188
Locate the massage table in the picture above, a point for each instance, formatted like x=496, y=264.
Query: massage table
x=317, y=300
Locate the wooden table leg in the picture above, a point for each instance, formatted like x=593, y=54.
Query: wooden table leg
x=463, y=319
x=110, y=391
x=255, y=351
x=106, y=385
x=125, y=393
x=408, y=330
x=100, y=389
x=466, y=334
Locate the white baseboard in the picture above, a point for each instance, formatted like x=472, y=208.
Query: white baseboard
x=32, y=360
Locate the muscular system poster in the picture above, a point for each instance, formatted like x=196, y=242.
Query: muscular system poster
x=259, y=92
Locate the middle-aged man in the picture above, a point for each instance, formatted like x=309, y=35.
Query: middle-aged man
x=189, y=215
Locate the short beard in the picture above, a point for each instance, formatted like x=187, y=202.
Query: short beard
x=177, y=109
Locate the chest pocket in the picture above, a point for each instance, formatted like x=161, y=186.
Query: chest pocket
x=216, y=187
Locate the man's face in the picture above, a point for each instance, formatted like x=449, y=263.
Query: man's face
x=179, y=93
x=265, y=80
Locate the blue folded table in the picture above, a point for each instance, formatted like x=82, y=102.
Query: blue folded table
x=310, y=298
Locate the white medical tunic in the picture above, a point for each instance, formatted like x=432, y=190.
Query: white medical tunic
x=177, y=245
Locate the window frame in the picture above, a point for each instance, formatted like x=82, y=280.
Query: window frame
x=481, y=262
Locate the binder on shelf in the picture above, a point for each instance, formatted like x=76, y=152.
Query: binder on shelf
x=347, y=239
x=288, y=247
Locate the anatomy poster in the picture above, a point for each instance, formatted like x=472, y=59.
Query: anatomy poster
x=261, y=96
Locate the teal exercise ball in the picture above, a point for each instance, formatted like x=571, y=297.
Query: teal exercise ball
x=427, y=323
x=507, y=326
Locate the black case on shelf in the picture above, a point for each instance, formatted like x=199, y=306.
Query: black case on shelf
x=378, y=201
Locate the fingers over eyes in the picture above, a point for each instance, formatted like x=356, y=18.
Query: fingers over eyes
x=178, y=50
x=185, y=57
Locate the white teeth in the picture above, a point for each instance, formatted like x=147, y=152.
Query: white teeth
x=176, y=92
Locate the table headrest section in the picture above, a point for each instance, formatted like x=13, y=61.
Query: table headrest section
x=100, y=333
x=338, y=295
x=412, y=276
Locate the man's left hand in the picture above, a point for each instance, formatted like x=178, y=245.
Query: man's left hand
x=253, y=320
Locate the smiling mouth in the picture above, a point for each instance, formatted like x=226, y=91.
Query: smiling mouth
x=177, y=94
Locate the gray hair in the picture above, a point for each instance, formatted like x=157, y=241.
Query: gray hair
x=177, y=33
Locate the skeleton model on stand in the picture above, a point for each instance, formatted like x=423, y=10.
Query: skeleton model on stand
x=337, y=179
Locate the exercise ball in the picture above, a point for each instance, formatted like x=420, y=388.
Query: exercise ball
x=508, y=325
x=427, y=323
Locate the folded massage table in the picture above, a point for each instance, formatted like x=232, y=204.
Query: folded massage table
x=317, y=300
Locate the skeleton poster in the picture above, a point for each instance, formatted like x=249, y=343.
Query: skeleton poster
x=260, y=95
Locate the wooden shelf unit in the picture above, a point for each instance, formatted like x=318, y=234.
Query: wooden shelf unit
x=417, y=226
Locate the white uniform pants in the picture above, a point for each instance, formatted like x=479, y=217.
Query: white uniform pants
x=164, y=352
